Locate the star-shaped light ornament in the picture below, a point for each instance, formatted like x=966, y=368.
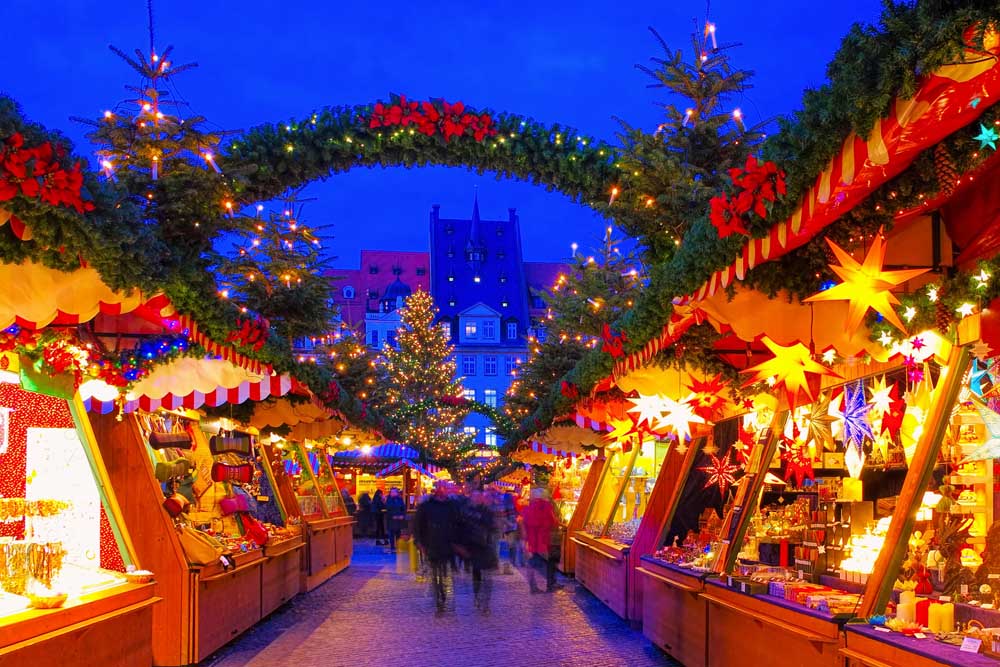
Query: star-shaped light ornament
x=818, y=423
x=678, y=417
x=865, y=285
x=881, y=396
x=798, y=462
x=789, y=368
x=721, y=473
x=981, y=350
x=855, y=411
x=647, y=409
x=918, y=401
x=710, y=448
x=981, y=377
x=621, y=430
x=708, y=399
x=745, y=442
x=987, y=137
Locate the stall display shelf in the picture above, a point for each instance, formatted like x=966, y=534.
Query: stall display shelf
x=865, y=646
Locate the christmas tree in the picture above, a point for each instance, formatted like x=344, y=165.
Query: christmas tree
x=355, y=366
x=277, y=272
x=595, y=291
x=422, y=369
x=669, y=175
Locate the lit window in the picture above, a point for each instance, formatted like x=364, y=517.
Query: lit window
x=471, y=329
x=490, y=364
x=489, y=329
x=491, y=437
x=509, y=365
x=490, y=397
x=468, y=365
x=445, y=328
x=511, y=330
x=451, y=277
x=421, y=271
x=469, y=394
x=471, y=431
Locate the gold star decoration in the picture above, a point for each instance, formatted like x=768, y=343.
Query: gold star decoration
x=790, y=367
x=678, y=416
x=981, y=350
x=866, y=285
x=818, y=423
x=622, y=429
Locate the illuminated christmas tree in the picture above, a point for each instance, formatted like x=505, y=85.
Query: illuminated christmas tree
x=355, y=366
x=422, y=369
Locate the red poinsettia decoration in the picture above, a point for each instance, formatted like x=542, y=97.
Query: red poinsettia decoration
x=250, y=332
x=758, y=185
x=449, y=119
x=614, y=342
x=35, y=172
x=570, y=390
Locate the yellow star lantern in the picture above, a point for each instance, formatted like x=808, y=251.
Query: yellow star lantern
x=789, y=368
x=647, y=409
x=678, y=416
x=622, y=430
x=866, y=285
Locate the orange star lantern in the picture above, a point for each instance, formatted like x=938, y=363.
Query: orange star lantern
x=866, y=285
x=708, y=399
x=789, y=368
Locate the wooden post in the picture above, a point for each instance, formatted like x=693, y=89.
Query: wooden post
x=881, y=580
x=735, y=526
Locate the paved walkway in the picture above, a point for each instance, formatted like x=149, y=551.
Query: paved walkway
x=370, y=615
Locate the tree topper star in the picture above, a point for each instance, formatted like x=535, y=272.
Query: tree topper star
x=866, y=285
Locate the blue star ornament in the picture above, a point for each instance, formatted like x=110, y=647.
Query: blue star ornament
x=981, y=377
x=987, y=137
x=855, y=411
x=974, y=102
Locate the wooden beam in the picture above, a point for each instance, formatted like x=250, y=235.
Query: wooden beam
x=883, y=576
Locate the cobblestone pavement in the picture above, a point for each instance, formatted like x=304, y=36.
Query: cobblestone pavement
x=371, y=615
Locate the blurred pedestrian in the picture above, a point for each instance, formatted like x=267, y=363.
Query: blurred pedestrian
x=365, y=515
x=539, y=523
x=479, y=526
x=349, y=503
x=378, y=513
x=395, y=516
x=511, y=533
x=434, y=529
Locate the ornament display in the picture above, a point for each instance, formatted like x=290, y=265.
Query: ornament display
x=792, y=369
x=720, y=473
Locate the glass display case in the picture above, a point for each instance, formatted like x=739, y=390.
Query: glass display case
x=333, y=502
x=624, y=490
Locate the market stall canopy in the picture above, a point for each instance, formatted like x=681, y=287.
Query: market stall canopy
x=379, y=456
x=398, y=466
x=283, y=412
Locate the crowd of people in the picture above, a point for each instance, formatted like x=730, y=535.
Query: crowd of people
x=458, y=530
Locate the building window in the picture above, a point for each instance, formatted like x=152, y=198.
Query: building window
x=504, y=303
x=374, y=338
x=490, y=439
x=390, y=337
x=490, y=397
x=537, y=301
x=373, y=269
x=499, y=230
x=511, y=330
x=469, y=394
x=471, y=329
x=509, y=365
x=348, y=292
x=501, y=254
x=445, y=328
x=451, y=301
x=468, y=365
x=421, y=271
x=373, y=294
x=489, y=330
x=471, y=431
x=490, y=364
x=451, y=252
x=451, y=277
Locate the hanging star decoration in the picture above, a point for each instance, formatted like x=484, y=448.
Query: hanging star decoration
x=708, y=399
x=987, y=137
x=798, y=462
x=710, y=447
x=892, y=418
x=721, y=473
x=647, y=409
x=856, y=426
x=678, y=417
x=790, y=367
x=991, y=448
x=745, y=442
x=865, y=285
x=621, y=430
x=881, y=396
x=981, y=350
x=818, y=423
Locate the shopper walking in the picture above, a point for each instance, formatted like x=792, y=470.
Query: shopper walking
x=395, y=516
x=378, y=512
x=434, y=529
x=364, y=515
x=511, y=533
x=539, y=522
x=479, y=526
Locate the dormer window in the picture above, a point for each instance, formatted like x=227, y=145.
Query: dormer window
x=504, y=303
x=476, y=279
x=471, y=329
x=475, y=255
x=451, y=301
x=348, y=292
x=499, y=230
x=501, y=254
x=451, y=252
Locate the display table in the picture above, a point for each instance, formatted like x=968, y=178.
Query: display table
x=867, y=647
x=674, y=614
x=752, y=629
x=602, y=568
x=281, y=573
x=111, y=627
x=329, y=545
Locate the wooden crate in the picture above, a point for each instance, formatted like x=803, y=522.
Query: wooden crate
x=602, y=568
x=674, y=615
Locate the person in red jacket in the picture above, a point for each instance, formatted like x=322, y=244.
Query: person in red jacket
x=539, y=522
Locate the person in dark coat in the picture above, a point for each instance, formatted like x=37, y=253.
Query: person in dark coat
x=479, y=529
x=395, y=516
x=434, y=529
x=349, y=503
x=364, y=515
x=378, y=511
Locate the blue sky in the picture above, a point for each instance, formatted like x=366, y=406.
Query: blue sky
x=265, y=61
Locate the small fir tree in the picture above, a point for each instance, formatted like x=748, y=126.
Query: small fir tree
x=355, y=366
x=421, y=369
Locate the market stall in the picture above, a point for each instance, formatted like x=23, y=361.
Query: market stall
x=69, y=586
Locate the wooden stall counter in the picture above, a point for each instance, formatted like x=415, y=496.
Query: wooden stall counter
x=602, y=568
x=867, y=647
x=228, y=601
x=762, y=630
x=674, y=614
x=110, y=627
x=281, y=573
x=329, y=545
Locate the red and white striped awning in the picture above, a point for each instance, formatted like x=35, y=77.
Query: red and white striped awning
x=593, y=424
x=184, y=324
x=552, y=451
x=271, y=386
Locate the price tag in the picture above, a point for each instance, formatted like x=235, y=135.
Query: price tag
x=263, y=499
x=919, y=635
x=971, y=645
x=879, y=628
x=965, y=589
x=802, y=575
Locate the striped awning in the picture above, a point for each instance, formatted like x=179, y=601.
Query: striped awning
x=545, y=449
x=404, y=463
x=184, y=324
x=274, y=385
x=389, y=450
